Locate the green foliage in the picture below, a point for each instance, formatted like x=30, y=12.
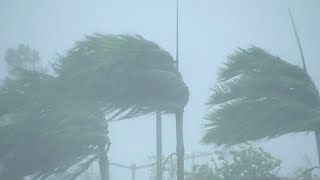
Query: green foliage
x=43, y=131
x=260, y=96
x=249, y=163
x=22, y=57
x=169, y=167
x=125, y=73
x=202, y=172
x=54, y=124
x=245, y=163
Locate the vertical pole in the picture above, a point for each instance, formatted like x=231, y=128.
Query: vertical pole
x=193, y=158
x=177, y=36
x=159, y=172
x=179, y=115
x=317, y=137
x=103, y=163
x=180, y=145
x=133, y=171
x=107, y=168
x=317, y=132
x=298, y=40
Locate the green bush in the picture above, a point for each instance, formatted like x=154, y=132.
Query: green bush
x=244, y=163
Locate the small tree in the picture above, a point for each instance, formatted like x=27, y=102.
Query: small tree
x=202, y=172
x=244, y=163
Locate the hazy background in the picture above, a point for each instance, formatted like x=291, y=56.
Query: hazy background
x=209, y=31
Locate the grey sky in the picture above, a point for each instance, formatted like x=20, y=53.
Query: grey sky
x=209, y=31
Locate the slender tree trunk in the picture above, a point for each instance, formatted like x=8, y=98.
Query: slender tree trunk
x=180, y=145
x=103, y=163
x=317, y=132
x=107, y=167
x=133, y=171
x=317, y=135
x=159, y=146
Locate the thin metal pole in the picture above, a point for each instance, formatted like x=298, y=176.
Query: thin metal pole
x=179, y=115
x=177, y=36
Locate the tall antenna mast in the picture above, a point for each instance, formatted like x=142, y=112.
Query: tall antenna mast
x=298, y=40
x=317, y=131
x=179, y=117
x=177, y=37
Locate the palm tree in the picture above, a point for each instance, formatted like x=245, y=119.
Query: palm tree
x=47, y=127
x=126, y=76
x=130, y=77
x=258, y=96
x=40, y=135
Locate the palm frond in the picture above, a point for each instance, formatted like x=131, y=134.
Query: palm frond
x=125, y=72
x=260, y=96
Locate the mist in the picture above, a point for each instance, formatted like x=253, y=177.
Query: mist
x=209, y=31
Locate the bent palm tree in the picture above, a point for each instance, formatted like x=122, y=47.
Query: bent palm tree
x=125, y=73
x=40, y=135
x=129, y=75
x=60, y=120
x=260, y=96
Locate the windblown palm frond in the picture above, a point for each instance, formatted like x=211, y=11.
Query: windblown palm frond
x=54, y=124
x=42, y=132
x=125, y=73
x=260, y=96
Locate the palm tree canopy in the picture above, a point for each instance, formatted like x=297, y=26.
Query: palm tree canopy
x=125, y=73
x=44, y=129
x=59, y=120
x=41, y=134
x=258, y=96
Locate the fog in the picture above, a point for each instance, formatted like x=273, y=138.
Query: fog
x=209, y=31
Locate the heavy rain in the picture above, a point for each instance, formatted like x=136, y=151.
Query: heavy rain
x=159, y=90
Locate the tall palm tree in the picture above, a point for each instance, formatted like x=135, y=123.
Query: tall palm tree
x=126, y=76
x=258, y=96
x=130, y=76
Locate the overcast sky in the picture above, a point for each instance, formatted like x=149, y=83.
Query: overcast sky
x=209, y=31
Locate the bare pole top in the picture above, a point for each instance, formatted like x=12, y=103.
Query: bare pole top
x=177, y=36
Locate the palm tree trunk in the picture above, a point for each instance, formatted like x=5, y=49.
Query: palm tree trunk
x=317, y=132
x=107, y=168
x=103, y=163
x=180, y=145
x=133, y=171
x=159, y=146
x=317, y=135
